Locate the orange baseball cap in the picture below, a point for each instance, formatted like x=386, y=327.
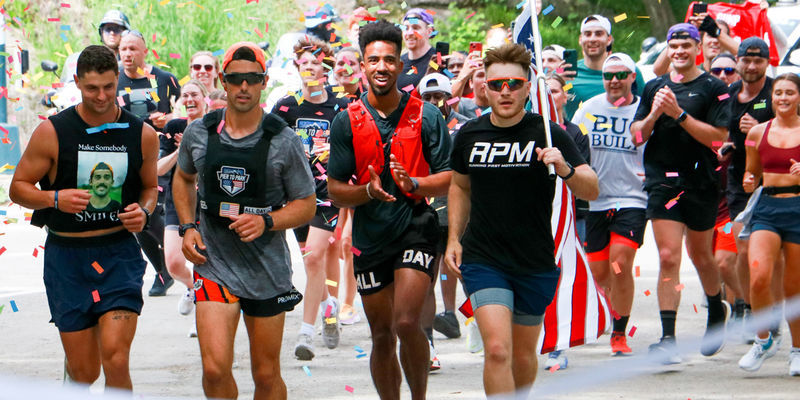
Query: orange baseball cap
x=252, y=46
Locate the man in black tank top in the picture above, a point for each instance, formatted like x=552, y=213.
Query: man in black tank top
x=96, y=166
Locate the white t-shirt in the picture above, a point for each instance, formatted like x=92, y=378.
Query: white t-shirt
x=616, y=160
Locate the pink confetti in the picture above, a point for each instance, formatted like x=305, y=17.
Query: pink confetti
x=320, y=168
x=120, y=101
x=633, y=330
x=221, y=124
x=638, y=136
x=619, y=101
x=328, y=310
x=723, y=96
x=284, y=108
x=35, y=252
x=174, y=55
x=555, y=368
x=95, y=296
x=355, y=251
x=65, y=5
x=53, y=19
x=679, y=287
x=616, y=267
x=2, y=250
x=348, y=388
x=452, y=101
x=408, y=88
x=470, y=15
x=672, y=175
x=716, y=144
x=677, y=78
x=750, y=143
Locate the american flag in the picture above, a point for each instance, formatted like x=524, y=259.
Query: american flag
x=228, y=209
x=579, y=313
x=238, y=184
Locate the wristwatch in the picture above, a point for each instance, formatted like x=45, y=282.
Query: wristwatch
x=268, y=222
x=146, y=218
x=681, y=117
x=571, y=171
x=185, y=227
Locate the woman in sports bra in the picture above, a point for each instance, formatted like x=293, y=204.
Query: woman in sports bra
x=773, y=151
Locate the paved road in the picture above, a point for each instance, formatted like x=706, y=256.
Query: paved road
x=166, y=363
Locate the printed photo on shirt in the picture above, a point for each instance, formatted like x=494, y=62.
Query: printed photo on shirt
x=102, y=173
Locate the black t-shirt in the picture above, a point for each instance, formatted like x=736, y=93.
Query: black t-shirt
x=672, y=149
x=166, y=146
x=140, y=100
x=582, y=143
x=376, y=223
x=759, y=108
x=421, y=65
x=312, y=122
x=511, y=194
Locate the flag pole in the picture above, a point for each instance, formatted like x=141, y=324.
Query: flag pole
x=541, y=81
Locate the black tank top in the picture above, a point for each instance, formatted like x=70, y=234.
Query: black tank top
x=106, y=162
x=235, y=179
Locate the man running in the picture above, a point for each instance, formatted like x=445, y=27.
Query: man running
x=93, y=266
x=254, y=183
x=680, y=179
x=500, y=200
x=394, y=230
x=616, y=221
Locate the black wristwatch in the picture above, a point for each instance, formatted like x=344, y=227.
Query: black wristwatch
x=681, y=117
x=146, y=218
x=185, y=227
x=268, y=222
x=571, y=171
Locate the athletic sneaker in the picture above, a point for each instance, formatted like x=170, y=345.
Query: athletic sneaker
x=665, y=351
x=330, y=325
x=186, y=302
x=349, y=315
x=619, y=344
x=556, y=359
x=304, y=350
x=714, y=338
x=160, y=287
x=759, y=352
x=474, y=340
x=777, y=338
x=794, y=362
x=446, y=323
x=435, y=364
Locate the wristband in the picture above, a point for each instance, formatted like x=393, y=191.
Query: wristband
x=55, y=200
x=369, y=195
x=571, y=172
x=415, y=184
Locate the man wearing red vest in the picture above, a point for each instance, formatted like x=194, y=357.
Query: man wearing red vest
x=398, y=149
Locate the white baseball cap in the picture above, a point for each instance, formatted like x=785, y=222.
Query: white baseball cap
x=619, y=59
x=554, y=49
x=435, y=82
x=596, y=21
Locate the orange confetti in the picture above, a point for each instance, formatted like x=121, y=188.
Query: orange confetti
x=95, y=296
x=695, y=308
x=647, y=293
x=638, y=272
x=97, y=267
x=679, y=287
x=617, y=270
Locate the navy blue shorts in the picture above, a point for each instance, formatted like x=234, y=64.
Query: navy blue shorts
x=88, y=277
x=527, y=296
x=779, y=215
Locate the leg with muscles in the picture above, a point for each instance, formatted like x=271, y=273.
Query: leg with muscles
x=316, y=250
x=332, y=267
x=411, y=288
x=668, y=235
x=216, y=330
x=764, y=250
x=383, y=364
x=525, y=339
x=83, y=355
x=115, y=330
x=742, y=257
x=699, y=247
x=494, y=321
x=622, y=252
x=266, y=334
x=350, y=315
x=726, y=262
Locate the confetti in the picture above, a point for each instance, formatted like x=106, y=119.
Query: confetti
x=557, y=22
x=13, y=306
x=361, y=355
x=672, y=175
x=620, y=18
x=97, y=267
x=95, y=296
x=723, y=96
x=308, y=371
x=617, y=270
x=647, y=293
x=2, y=250
x=35, y=252
x=470, y=15
x=619, y=102
x=358, y=349
x=679, y=287
x=444, y=277
x=759, y=106
x=348, y=388
x=637, y=273
x=568, y=86
x=355, y=251
x=408, y=88
x=632, y=331
x=583, y=128
x=500, y=25
x=750, y=143
x=107, y=126
x=548, y=9
x=677, y=78
x=555, y=368
x=330, y=282
x=695, y=308
x=591, y=117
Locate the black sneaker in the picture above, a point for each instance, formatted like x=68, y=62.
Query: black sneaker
x=714, y=338
x=160, y=288
x=446, y=323
x=665, y=351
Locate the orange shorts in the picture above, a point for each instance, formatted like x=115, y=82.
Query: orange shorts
x=723, y=237
x=207, y=290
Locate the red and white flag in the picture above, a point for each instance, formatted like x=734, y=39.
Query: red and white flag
x=579, y=313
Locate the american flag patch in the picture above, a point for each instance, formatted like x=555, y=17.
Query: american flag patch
x=228, y=209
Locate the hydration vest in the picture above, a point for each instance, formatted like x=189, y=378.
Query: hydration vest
x=405, y=142
x=235, y=179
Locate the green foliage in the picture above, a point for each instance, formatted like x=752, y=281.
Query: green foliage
x=458, y=30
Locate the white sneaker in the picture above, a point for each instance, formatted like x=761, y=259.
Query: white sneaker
x=556, y=359
x=759, y=352
x=330, y=325
x=474, y=340
x=304, y=350
x=435, y=363
x=777, y=338
x=186, y=302
x=794, y=362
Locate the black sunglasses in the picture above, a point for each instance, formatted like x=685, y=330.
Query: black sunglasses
x=198, y=67
x=619, y=74
x=727, y=70
x=252, y=78
x=113, y=28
